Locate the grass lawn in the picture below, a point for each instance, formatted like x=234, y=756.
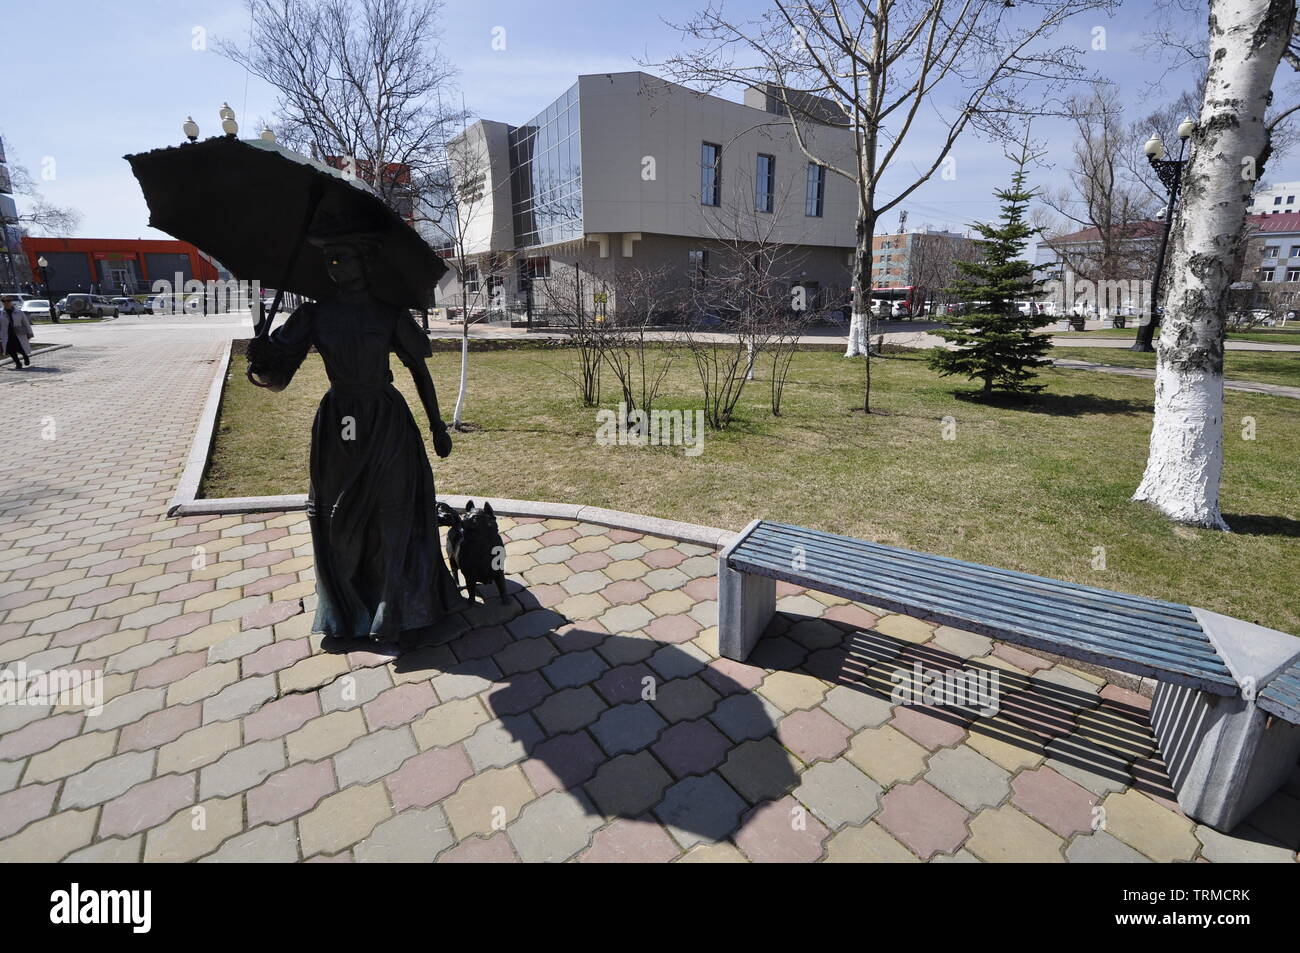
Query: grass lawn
x=1265, y=367
x=1033, y=486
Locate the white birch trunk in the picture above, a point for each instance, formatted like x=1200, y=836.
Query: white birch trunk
x=1185, y=460
x=749, y=369
x=464, y=376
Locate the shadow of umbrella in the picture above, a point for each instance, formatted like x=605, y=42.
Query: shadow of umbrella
x=630, y=726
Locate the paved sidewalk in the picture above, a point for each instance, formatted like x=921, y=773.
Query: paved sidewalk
x=587, y=718
x=1254, y=387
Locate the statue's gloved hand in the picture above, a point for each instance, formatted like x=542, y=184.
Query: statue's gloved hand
x=442, y=441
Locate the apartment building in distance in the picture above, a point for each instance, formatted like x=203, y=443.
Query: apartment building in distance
x=917, y=267
x=627, y=172
x=1276, y=199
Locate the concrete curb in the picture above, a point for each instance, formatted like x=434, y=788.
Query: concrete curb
x=201, y=448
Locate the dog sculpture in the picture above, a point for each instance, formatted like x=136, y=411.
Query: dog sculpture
x=474, y=547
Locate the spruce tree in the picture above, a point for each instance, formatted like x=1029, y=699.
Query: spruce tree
x=994, y=342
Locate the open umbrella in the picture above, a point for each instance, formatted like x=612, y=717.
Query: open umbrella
x=250, y=203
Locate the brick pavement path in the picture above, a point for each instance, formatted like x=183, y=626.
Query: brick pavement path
x=588, y=718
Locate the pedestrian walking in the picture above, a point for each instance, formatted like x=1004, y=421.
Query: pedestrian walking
x=15, y=332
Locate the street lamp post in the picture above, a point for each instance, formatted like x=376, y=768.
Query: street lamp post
x=49, y=292
x=1170, y=172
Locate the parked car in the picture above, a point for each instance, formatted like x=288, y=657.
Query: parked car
x=36, y=308
x=81, y=305
x=128, y=306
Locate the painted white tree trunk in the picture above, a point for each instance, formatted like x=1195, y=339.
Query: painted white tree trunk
x=857, y=336
x=1185, y=460
x=464, y=377
x=749, y=369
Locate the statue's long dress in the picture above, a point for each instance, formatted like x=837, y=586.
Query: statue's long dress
x=379, y=565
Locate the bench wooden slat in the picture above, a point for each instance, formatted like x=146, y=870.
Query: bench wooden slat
x=1281, y=696
x=1127, y=657
x=1130, y=633
x=972, y=602
x=1121, y=623
x=1175, y=612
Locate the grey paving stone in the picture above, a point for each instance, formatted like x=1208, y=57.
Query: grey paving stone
x=244, y=696
x=700, y=809
x=575, y=668
x=268, y=844
x=569, y=710
x=628, y=727
x=504, y=741
x=113, y=850
x=1102, y=848
x=684, y=699
x=628, y=785
x=627, y=649
x=554, y=828
x=1241, y=849
x=746, y=715
x=10, y=772
x=106, y=780
x=415, y=836
x=525, y=655
x=838, y=793
x=238, y=646
x=374, y=755
x=139, y=656
x=969, y=778
x=466, y=679
x=128, y=708
x=761, y=770
x=678, y=661
x=354, y=689
x=241, y=769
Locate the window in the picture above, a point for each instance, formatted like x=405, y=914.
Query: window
x=710, y=174
x=471, y=279
x=697, y=260
x=1293, y=274
x=816, y=192
x=1277, y=200
x=1266, y=274
x=1290, y=200
x=1270, y=251
x=765, y=183
x=538, y=269
x=1295, y=251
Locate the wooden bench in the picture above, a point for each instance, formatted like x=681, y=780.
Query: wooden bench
x=1224, y=753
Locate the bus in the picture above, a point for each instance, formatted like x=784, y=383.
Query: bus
x=898, y=301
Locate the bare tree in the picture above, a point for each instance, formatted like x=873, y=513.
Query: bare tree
x=885, y=67
x=360, y=84
x=41, y=216
x=1229, y=149
x=641, y=296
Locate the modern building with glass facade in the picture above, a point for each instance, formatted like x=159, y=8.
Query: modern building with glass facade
x=625, y=171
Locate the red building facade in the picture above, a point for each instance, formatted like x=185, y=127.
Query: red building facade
x=116, y=266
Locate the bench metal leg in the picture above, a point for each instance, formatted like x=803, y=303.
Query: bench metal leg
x=1226, y=756
x=746, y=605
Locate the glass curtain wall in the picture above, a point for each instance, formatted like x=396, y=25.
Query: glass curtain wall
x=546, y=174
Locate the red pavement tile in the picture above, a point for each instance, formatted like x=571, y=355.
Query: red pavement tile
x=781, y=832
x=630, y=842
x=547, y=596
x=813, y=735
x=691, y=747
x=39, y=735
x=146, y=805
x=584, y=562
x=562, y=763
x=1054, y=801
x=478, y=850
x=625, y=591
x=673, y=628
x=623, y=535
x=704, y=587
x=558, y=537
x=1023, y=660
x=855, y=616
x=290, y=792
x=400, y=705
x=20, y=807
x=929, y=727
x=84, y=632
x=97, y=597
x=727, y=677
x=266, y=535
x=663, y=558
x=923, y=819
x=1125, y=697
x=115, y=566
x=159, y=727
x=171, y=669
x=178, y=625
x=271, y=614
x=428, y=777
x=270, y=584
x=274, y=657
x=187, y=590
x=278, y=718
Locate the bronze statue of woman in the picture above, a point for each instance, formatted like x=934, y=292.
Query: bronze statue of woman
x=379, y=568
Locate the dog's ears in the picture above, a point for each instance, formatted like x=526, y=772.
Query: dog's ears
x=487, y=508
x=469, y=506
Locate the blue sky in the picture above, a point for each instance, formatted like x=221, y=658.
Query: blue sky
x=97, y=81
